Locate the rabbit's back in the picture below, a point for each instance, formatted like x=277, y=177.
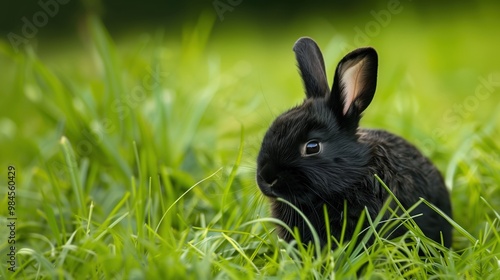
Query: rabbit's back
x=410, y=176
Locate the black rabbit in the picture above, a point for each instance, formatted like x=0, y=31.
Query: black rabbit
x=315, y=155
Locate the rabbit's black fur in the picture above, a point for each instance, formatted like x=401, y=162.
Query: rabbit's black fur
x=315, y=155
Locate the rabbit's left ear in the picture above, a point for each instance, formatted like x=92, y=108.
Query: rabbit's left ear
x=354, y=84
x=312, y=67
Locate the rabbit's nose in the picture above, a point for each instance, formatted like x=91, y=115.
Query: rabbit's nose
x=268, y=175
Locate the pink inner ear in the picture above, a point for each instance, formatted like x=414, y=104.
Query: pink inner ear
x=352, y=80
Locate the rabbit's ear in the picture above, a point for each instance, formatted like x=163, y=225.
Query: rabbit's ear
x=312, y=67
x=354, y=84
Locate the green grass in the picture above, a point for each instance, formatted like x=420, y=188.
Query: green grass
x=136, y=159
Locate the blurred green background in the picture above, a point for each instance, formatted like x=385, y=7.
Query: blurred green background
x=164, y=93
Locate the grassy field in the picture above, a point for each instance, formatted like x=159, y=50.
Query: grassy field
x=135, y=155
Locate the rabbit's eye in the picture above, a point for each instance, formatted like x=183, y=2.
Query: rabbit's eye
x=312, y=147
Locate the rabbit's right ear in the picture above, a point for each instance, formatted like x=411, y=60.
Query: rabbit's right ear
x=312, y=67
x=354, y=85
